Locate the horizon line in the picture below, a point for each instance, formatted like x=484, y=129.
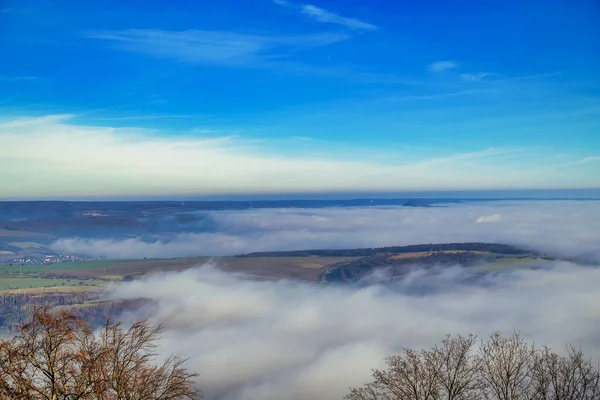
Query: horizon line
x=491, y=194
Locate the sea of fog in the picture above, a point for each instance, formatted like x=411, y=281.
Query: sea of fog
x=296, y=340
x=269, y=340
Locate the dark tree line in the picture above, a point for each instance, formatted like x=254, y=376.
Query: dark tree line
x=353, y=270
x=18, y=307
x=417, y=248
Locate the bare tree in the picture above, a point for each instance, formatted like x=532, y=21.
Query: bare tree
x=410, y=375
x=569, y=377
x=457, y=370
x=506, y=365
x=56, y=356
x=443, y=372
x=501, y=368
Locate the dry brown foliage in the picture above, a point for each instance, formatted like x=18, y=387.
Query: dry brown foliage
x=56, y=356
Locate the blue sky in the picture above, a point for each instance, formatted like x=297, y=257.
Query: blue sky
x=511, y=86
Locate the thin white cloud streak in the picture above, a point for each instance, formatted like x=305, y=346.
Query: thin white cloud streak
x=580, y=162
x=475, y=76
x=563, y=228
x=322, y=15
x=146, y=117
x=531, y=77
x=274, y=340
x=441, y=66
x=214, y=47
x=13, y=78
x=52, y=157
x=436, y=96
x=497, y=78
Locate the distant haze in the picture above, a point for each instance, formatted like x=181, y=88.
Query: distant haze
x=589, y=193
x=561, y=227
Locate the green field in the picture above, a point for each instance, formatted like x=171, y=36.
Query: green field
x=27, y=282
x=100, y=272
x=508, y=264
x=99, y=265
x=66, y=266
x=26, y=245
x=103, y=271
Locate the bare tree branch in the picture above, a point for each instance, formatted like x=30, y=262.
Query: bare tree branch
x=501, y=368
x=56, y=356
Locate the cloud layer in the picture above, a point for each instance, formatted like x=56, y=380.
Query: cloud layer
x=273, y=340
x=53, y=157
x=564, y=228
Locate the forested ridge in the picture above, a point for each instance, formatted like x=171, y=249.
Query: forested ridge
x=370, y=251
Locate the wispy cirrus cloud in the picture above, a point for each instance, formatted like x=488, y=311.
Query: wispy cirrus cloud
x=475, y=77
x=496, y=77
x=436, y=96
x=214, y=47
x=583, y=161
x=441, y=66
x=18, y=78
x=145, y=117
x=531, y=77
x=322, y=15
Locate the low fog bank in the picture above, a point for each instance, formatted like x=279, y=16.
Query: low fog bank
x=564, y=228
x=299, y=341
